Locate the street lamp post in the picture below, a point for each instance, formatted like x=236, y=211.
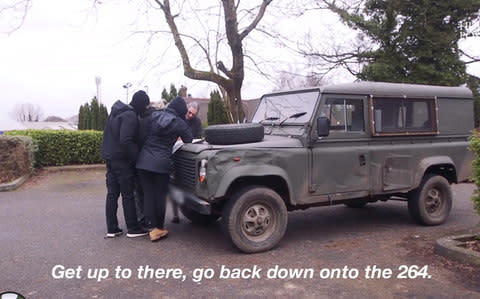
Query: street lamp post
x=98, y=82
x=127, y=86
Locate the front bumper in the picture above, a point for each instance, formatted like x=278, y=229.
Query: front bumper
x=189, y=200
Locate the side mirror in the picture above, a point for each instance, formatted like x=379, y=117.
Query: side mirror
x=323, y=126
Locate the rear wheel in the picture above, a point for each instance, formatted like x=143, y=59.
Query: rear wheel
x=430, y=204
x=255, y=219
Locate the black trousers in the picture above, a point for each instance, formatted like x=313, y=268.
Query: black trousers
x=138, y=193
x=155, y=189
x=120, y=180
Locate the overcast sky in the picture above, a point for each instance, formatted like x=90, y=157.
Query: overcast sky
x=53, y=58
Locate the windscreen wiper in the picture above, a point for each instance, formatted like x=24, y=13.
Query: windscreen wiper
x=296, y=115
x=269, y=118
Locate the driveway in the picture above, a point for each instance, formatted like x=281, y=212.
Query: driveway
x=52, y=246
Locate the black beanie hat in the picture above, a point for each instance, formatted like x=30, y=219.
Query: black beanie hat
x=178, y=105
x=140, y=101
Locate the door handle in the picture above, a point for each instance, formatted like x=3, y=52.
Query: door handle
x=361, y=160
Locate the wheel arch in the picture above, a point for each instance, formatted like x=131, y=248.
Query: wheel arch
x=440, y=165
x=271, y=177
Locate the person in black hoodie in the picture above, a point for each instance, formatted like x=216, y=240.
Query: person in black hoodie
x=120, y=152
x=155, y=160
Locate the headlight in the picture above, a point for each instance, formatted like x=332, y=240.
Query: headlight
x=202, y=174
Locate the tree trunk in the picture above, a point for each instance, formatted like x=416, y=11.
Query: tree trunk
x=235, y=106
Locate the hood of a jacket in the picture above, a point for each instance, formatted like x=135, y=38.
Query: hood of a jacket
x=178, y=106
x=162, y=119
x=120, y=107
x=149, y=111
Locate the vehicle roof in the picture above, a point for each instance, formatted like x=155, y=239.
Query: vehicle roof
x=393, y=90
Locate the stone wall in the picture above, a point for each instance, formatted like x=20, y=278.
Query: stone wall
x=16, y=156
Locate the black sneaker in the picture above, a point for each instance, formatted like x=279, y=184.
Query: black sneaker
x=133, y=233
x=116, y=233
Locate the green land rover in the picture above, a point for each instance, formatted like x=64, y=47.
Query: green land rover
x=349, y=144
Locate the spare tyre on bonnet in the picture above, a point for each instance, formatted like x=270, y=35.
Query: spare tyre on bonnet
x=234, y=133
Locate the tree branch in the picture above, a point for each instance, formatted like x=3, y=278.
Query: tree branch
x=189, y=71
x=472, y=58
x=224, y=70
x=21, y=6
x=261, y=13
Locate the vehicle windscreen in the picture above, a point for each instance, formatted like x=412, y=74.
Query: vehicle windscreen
x=294, y=108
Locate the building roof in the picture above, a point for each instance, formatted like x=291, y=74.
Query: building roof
x=50, y=125
x=10, y=125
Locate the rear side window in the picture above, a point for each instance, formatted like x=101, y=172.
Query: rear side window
x=404, y=116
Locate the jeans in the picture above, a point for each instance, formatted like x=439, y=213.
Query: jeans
x=155, y=188
x=120, y=180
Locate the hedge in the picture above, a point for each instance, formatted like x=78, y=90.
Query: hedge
x=64, y=147
x=475, y=146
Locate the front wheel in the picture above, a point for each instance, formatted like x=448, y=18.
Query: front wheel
x=430, y=204
x=255, y=219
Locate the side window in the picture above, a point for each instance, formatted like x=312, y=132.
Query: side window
x=345, y=115
x=388, y=115
x=419, y=116
x=399, y=116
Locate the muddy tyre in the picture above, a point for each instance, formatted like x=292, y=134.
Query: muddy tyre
x=234, y=133
x=255, y=219
x=198, y=218
x=430, y=204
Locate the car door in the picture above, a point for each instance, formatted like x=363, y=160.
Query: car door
x=340, y=161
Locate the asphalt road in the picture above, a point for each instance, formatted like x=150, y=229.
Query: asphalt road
x=52, y=246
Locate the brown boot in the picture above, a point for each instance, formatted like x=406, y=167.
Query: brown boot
x=156, y=234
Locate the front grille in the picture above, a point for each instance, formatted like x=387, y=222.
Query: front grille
x=184, y=170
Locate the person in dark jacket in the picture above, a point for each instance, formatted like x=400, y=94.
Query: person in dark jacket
x=120, y=152
x=193, y=121
x=155, y=160
x=144, y=124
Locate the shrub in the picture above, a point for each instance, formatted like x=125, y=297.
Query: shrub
x=16, y=157
x=64, y=147
x=217, y=113
x=475, y=146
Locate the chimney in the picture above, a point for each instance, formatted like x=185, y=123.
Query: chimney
x=183, y=91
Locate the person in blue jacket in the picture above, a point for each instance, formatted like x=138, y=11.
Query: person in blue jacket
x=120, y=151
x=155, y=160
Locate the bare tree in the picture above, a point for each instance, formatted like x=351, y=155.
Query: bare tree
x=294, y=78
x=27, y=112
x=238, y=23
